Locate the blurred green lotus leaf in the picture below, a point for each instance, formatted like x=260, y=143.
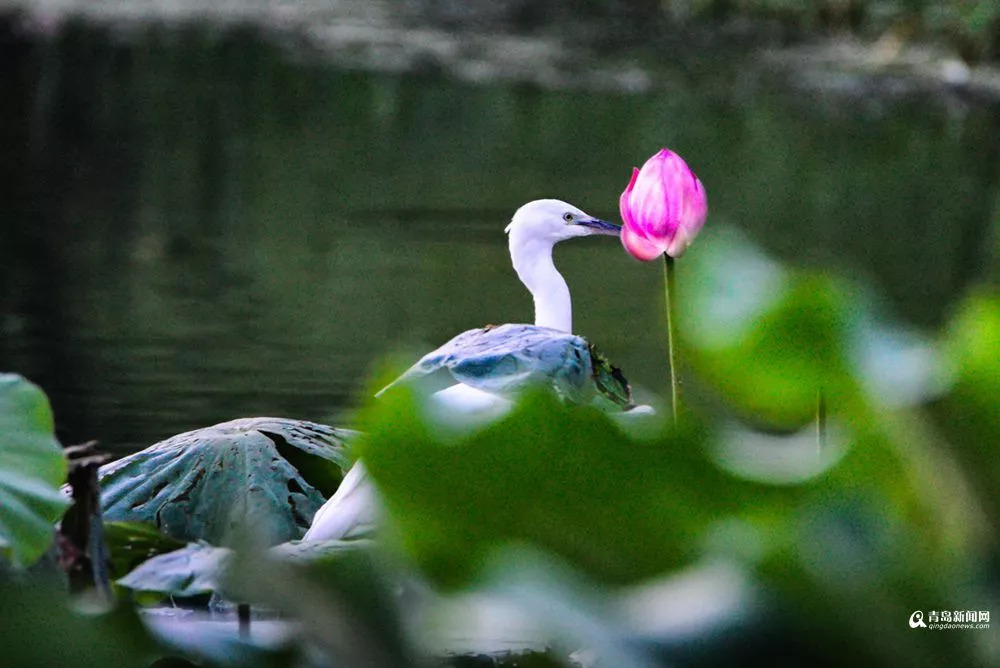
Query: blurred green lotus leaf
x=765, y=337
x=206, y=484
x=563, y=478
x=32, y=466
x=974, y=347
x=971, y=412
x=39, y=627
x=566, y=480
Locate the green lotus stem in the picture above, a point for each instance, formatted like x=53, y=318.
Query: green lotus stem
x=669, y=296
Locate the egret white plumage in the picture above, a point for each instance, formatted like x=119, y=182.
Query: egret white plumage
x=532, y=233
x=478, y=372
x=351, y=512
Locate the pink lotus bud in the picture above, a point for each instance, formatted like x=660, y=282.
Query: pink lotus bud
x=663, y=207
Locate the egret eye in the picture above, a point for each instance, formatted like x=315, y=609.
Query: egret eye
x=568, y=217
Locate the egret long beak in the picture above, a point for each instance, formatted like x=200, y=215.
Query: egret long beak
x=600, y=226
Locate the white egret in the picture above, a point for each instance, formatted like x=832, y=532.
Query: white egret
x=479, y=371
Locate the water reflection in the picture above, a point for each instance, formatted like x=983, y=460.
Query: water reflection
x=202, y=227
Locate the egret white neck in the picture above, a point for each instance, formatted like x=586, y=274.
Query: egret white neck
x=532, y=260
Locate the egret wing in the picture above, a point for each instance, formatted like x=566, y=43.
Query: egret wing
x=507, y=359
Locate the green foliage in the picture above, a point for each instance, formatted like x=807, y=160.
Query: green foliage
x=767, y=339
x=560, y=477
x=971, y=412
x=974, y=346
x=32, y=466
x=39, y=628
x=569, y=482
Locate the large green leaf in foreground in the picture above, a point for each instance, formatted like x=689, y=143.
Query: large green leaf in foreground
x=32, y=466
x=268, y=475
x=860, y=533
x=560, y=477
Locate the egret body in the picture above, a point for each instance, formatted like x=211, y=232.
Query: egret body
x=533, y=232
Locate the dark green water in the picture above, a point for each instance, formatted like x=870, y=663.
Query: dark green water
x=199, y=228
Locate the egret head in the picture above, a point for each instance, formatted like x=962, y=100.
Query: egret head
x=555, y=220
